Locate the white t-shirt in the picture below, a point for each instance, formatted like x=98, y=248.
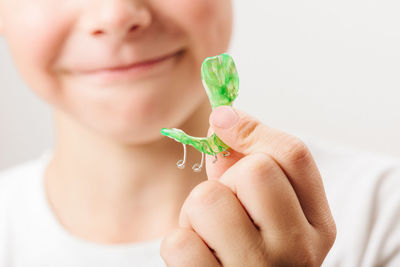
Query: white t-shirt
x=363, y=191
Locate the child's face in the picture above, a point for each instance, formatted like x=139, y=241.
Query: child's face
x=58, y=45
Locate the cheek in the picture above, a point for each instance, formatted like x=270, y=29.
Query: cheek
x=207, y=23
x=33, y=44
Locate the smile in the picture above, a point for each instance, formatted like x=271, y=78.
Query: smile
x=132, y=71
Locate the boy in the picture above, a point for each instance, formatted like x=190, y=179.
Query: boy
x=108, y=194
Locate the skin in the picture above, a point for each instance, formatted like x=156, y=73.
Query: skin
x=263, y=205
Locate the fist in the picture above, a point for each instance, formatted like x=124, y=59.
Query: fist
x=264, y=205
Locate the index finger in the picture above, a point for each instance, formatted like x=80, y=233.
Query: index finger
x=247, y=135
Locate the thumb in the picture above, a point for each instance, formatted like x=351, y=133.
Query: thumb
x=239, y=130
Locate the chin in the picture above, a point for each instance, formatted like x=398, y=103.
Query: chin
x=130, y=137
x=135, y=125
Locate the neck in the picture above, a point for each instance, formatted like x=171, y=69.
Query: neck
x=110, y=192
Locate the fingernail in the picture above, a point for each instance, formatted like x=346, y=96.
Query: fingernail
x=223, y=117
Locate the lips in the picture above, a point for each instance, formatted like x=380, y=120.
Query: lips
x=125, y=67
x=112, y=73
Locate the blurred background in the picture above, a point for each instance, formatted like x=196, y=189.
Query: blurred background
x=321, y=70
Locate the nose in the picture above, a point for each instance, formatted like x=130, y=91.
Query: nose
x=117, y=18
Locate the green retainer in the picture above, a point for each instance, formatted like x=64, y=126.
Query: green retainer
x=221, y=81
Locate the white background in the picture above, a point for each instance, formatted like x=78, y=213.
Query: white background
x=319, y=69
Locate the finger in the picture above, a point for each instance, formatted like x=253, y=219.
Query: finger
x=269, y=199
x=247, y=135
x=183, y=247
x=214, y=212
x=215, y=168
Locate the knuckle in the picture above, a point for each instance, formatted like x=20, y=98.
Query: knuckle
x=329, y=235
x=305, y=256
x=298, y=248
x=310, y=254
x=259, y=253
x=176, y=241
x=294, y=150
x=207, y=193
x=262, y=169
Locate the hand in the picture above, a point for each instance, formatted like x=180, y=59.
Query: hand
x=264, y=205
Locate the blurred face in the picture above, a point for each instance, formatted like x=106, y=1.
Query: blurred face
x=124, y=68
